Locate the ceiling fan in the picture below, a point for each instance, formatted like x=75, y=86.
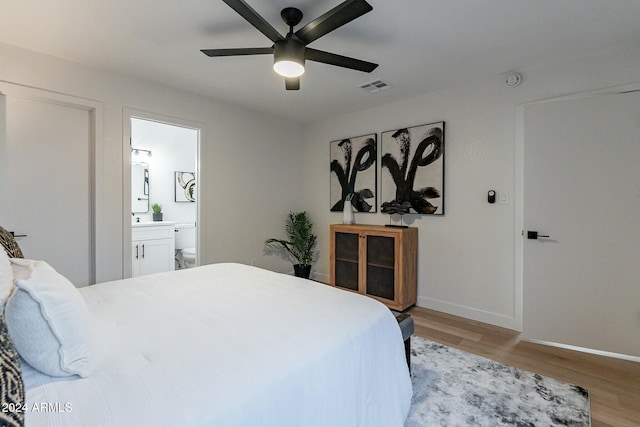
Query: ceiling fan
x=290, y=52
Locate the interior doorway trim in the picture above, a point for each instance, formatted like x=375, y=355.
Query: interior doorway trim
x=519, y=184
x=96, y=168
x=131, y=113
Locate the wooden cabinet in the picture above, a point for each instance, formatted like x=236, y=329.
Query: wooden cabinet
x=377, y=261
x=152, y=248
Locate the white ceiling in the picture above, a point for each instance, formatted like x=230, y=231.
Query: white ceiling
x=421, y=45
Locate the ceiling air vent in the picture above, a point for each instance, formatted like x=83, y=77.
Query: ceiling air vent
x=375, y=86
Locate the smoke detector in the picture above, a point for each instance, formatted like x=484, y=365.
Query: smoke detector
x=513, y=80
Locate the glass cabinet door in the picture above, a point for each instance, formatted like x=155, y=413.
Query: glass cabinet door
x=381, y=266
x=346, y=261
x=375, y=261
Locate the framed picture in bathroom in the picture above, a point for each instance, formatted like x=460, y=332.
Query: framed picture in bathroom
x=185, y=186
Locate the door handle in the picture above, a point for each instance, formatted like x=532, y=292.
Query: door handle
x=534, y=235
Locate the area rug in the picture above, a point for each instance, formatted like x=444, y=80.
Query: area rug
x=455, y=388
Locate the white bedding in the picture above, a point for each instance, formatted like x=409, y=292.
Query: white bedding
x=230, y=345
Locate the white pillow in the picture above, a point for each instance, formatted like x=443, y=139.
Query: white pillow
x=22, y=268
x=6, y=278
x=48, y=321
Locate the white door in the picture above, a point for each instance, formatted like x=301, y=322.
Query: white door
x=46, y=183
x=152, y=256
x=581, y=285
x=156, y=256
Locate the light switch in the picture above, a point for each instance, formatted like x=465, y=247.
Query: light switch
x=504, y=198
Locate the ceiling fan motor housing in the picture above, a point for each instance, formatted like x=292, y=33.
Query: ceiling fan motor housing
x=289, y=49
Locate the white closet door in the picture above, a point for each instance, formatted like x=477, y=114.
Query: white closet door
x=582, y=189
x=46, y=183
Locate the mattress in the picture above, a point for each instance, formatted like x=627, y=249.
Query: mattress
x=230, y=345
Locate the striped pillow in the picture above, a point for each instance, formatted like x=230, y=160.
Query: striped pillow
x=9, y=244
x=11, y=382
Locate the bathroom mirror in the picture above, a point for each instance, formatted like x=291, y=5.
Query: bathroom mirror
x=139, y=187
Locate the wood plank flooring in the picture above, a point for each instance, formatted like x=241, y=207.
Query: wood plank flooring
x=613, y=384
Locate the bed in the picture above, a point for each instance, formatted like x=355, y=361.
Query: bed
x=223, y=345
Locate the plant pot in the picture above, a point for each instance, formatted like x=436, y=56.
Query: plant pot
x=303, y=271
x=157, y=216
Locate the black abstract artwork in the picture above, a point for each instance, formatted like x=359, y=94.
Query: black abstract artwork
x=354, y=172
x=185, y=186
x=413, y=170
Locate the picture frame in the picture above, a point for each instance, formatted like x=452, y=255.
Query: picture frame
x=353, y=171
x=185, y=187
x=412, y=170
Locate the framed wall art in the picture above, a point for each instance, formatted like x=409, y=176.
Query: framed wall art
x=412, y=169
x=185, y=186
x=353, y=170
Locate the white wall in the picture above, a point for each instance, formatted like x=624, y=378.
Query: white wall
x=467, y=258
x=244, y=153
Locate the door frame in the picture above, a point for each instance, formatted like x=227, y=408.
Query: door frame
x=96, y=144
x=131, y=113
x=519, y=202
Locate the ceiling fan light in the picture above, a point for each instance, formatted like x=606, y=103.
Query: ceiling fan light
x=288, y=58
x=287, y=68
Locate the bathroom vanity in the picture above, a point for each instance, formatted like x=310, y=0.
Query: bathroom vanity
x=152, y=247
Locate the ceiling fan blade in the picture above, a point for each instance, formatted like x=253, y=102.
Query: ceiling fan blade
x=247, y=12
x=339, y=60
x=335, y=18
x=292, y=83
x=238, y=51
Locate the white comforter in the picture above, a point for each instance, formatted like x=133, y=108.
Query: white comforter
x=229, y=345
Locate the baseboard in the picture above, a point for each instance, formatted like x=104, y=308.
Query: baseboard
x=509, y=323
x=324, y=278
x=587, y=350
x=470, y=313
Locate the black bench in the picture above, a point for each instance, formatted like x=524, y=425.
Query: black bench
x=407, y=328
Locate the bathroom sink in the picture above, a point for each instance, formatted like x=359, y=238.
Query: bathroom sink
x=151, y=223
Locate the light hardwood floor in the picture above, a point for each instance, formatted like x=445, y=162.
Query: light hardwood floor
x=613, y=384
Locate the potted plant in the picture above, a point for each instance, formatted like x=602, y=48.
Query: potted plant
x=157, y=212
x=299, y=248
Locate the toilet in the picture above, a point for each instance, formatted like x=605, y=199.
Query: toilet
x=186, y=244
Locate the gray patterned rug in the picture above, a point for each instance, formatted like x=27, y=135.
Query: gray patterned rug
x=455, y=388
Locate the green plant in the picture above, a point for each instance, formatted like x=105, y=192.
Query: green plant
x=302, y=240
x=157, y=208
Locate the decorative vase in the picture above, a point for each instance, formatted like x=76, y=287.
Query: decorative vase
x=348, y=217
x=303, y=271
x=157, y=216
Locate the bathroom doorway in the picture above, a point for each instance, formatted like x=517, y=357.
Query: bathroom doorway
x=164, y=177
